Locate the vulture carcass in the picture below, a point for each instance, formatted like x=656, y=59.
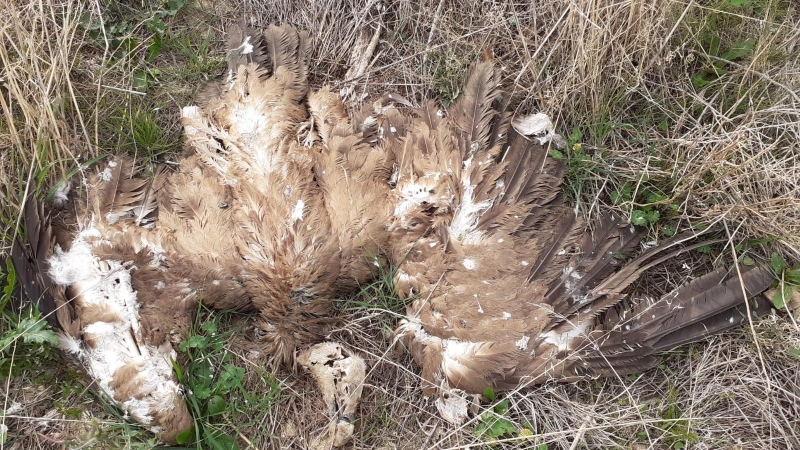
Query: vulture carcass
x=286, y=202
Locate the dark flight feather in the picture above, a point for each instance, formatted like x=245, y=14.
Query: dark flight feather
x=473, y=111
x=30, y=261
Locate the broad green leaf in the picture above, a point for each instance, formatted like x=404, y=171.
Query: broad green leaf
x=777, y=263
x=140, y=80
x=669, y=231
x=202, y=392
x=230, y=377
x=209, y=327
x=195, y=341
x=489, y=394
x=575, y=136
x=792, y=275
x=184, y=436
x=779, y=299
x=216, y=405
x=218, y=440
x=35, y=331
x=739, y=50
x=794, y=352
x=155, y=47
x=502, y=427
x=202, y=371
x=638, y=217
x=699, y=80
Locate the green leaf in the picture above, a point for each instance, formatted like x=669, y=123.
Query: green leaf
x=777, y=263
x=713, y=45
x=739, y=49
x=502, y=407
x=792, y=275
x=35, y=331
x=780, y=297
x=638, y=217
x=155, y=48
x=556, y=154
x=195, y=341
x=141, y=80
x=502, y=427
x=574, y=137
x=655, y=198
x=201, y=371
x=216, y=405
x=184, y=436
x=209, y=327
x=794, y=352
x=653, y=216
x=705, y=249
x=679, y=445
x=230, y=377
x=489, y=394
x=621, y=196
x=699, y=81
x=202, y=392
x=748, y=261
x=173, y=6
x=669, y=231
x=218, y=440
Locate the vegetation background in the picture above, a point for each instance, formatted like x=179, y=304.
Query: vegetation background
x=677, y=113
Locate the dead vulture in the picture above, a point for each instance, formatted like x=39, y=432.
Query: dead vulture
x=285, y=202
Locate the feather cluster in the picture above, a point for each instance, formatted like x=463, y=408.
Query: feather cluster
x=286, y=202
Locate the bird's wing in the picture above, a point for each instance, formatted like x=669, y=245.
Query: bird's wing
x=92, y=283
x=512, y=286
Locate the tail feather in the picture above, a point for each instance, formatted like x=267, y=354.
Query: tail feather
x=474, y=111
x=288, y=48
x=245, y=46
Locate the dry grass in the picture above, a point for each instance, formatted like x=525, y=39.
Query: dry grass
x=621, y=74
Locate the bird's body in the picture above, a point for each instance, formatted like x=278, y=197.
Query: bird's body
x=287, y=202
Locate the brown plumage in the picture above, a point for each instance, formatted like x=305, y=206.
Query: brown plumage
x=286, y=202
x=512, y=288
